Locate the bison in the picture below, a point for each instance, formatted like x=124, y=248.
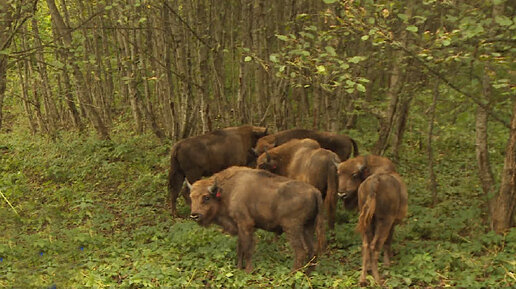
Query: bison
x=354, y=171
x=242, y=199
x=342, y=145
x=304, y=160
x=207, y=154
x=382, y=202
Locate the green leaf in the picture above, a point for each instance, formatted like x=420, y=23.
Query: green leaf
x=330, y=50
x=412, y=28
x=248, y=58
x=273, y=58
x=282, y=37
x=356, y=59
x=361, y=88
x=321, y=69
x=329, y=1
x=403, y=17
x=503, y=20
x=365, y=37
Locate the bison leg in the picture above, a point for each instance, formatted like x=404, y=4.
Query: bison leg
x=296, y=239
x=245, y=246
x=387, y=251
x=366, y=254
x=308, y=236
x=383, y=227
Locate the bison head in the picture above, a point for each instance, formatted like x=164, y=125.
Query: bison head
x=206, y=200
x=266, y=162
x=351, y=174
x=265, y=143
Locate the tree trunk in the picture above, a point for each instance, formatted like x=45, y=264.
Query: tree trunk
x=433, y=181
x=395, y=85
x=84, y=96
x=5, y=41
x=505, y=200
x=485, y=172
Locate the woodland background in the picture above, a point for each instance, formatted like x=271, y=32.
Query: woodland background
x=94, y=93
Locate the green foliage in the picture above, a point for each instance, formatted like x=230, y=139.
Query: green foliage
x=92, y=214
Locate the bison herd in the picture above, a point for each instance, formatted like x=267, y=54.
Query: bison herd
x=300, y=175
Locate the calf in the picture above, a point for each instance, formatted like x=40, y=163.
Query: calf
x=341, y=144
x=306, y=161
x=382, y=202
x=354, y=171
x=242, y=200
x=204, y=155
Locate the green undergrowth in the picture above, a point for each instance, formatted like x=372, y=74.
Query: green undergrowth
x=92, y=214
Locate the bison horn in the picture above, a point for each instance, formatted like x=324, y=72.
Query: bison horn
x=254, y=152
x=336, y=163
x=188, y=185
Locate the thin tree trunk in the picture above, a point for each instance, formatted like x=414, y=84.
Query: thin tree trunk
x=433, y=180
x=505, y=200
x=49, y=104
x=395, y=85
x=90, y=109
x=482, y=152
x=5, y=41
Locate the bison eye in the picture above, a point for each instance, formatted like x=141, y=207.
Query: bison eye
x=205, y=198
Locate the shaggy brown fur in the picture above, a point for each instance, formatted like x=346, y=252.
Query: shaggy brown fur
x=305, y=160
x=207, y=154
x=341, y=144
x=382, y=202
x=242, y=200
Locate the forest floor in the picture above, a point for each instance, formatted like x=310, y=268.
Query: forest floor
x=89, y=213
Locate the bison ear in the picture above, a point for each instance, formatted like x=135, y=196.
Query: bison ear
x=268, y=156
x=214, y=190
x=364, y=172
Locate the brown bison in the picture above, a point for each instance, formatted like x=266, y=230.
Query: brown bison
x=341, y=144
x=354, y=171
x=242, y=199
x=382, y=202
x=304, y=160
x=207, y=154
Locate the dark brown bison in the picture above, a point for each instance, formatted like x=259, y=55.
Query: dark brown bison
x=242, y=199
x=341, y=144
x=207, y=154
x=354, y=171
x=382, y=202
x=304, y=160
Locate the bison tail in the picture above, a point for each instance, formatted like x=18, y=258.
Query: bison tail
x=176, y=178
x=331, y=194
x=355, y=148
x=369, y=207
x=320, y=226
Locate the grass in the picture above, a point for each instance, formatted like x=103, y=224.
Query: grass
x=92, y=214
